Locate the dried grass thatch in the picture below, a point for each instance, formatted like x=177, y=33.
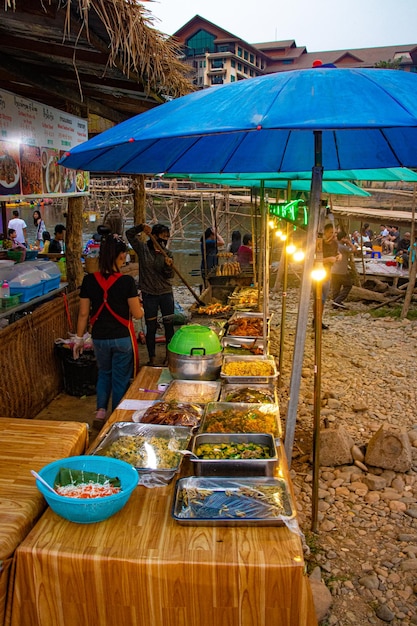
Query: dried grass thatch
x=135, y=47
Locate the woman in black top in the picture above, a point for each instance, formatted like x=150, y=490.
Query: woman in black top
x=112, y=300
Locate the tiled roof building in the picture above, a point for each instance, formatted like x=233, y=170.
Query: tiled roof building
x=217, y=56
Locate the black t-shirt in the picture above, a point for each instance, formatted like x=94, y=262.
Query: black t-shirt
x=106, y=325
x=55, y=246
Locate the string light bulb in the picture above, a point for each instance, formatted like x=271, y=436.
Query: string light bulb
x=298, y=256
x=319, y=273
x=290, y=249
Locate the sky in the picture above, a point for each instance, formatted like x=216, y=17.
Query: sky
x=316, y=24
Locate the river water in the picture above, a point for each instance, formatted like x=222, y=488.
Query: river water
x=187, y=257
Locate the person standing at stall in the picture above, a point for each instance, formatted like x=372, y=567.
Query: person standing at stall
x=57, y=244
x=209, y=244
x=155, y=281
x=20, y=226
x=111, y=298
x=40, y=228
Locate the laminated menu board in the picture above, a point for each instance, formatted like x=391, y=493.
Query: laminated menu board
x=33, y=137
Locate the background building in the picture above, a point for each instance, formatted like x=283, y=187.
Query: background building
x=217, y=57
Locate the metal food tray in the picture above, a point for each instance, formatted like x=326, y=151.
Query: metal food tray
x=201, y=501
x=192, y=391
x=249, y=315
x=235, y=467
x=267, y=387
x=243, y=342
x=139, y=414
x=180, y=436
x=226, y=417
x=249, y=379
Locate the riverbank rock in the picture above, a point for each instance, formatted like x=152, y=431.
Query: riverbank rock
x=335, y=447
x=390, y=448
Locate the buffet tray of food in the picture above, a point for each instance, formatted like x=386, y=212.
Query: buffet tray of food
x=254, y=501
x=194, y=391
x=247, y=324
x=234, y=454
x=241, y=417
x=252, y=394
x=256, y=369
x=170, y=413
x=242, y=346
x=152, y=450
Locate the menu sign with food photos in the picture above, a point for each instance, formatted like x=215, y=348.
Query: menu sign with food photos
x=33, y=137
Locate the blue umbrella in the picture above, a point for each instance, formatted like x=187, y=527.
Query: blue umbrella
x=367, y=118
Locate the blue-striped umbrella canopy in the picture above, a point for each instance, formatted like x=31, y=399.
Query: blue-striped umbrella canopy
x=367, y=118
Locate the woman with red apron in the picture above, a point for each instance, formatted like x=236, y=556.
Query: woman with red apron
x=111, y=298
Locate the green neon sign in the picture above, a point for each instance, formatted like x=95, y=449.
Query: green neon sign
x=294, y=211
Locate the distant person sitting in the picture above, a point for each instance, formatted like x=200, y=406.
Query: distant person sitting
x=245, y=252
x=57, y=245
x=16, y=245
x=403, y=250
x=235, y=243
x=46, y=240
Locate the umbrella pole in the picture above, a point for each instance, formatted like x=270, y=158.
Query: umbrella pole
x=162, y=251
x=302, y=318
x=283, y=309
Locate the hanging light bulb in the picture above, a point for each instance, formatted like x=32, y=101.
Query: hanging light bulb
x=319, y=273
x=298, y=256
x=290, y=249
x=283, y=236
x=271, y=224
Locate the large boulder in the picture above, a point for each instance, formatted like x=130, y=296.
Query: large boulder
x=390, y=448
x=335, y=447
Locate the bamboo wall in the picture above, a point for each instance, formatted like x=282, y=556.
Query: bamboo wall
x=30, y=372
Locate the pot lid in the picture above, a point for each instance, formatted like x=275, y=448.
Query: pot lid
x=191, y=338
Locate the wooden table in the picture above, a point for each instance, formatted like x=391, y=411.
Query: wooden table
x=140, y=567
x=25, y=445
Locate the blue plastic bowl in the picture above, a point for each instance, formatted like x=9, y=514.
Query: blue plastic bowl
x=90, y=510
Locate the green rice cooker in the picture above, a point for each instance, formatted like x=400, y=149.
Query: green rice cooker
x=194, y=353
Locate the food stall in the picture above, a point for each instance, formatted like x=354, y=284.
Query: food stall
x=158, y=560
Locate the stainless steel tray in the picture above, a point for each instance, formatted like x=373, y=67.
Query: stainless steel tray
x=249, y=379
x=249, y=315
x=232, y=502
x=193, y=391
x=241, y=417
x=242, y=345
x=152, y=449
x=267, y=388
x=235, y=467
x=167, y=413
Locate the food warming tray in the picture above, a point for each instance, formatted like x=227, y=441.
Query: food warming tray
x=235, y=466
x=159, y=439
x=249, y=379
x=241, y=417
x=268, y=388
x=240, y=315
x=193, y=391
x=232, y=502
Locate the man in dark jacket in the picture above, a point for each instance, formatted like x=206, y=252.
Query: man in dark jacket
x=155, y=281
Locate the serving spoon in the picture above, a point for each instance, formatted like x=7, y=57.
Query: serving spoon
x=43, y=481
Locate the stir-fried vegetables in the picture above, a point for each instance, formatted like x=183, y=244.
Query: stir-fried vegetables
x=232, y=450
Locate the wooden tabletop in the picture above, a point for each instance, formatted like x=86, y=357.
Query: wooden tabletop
x=141, y=567
x=25, y=445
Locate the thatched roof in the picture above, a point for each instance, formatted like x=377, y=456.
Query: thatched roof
x=100, y=56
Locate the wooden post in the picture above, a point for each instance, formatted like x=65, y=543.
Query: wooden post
x=74, y=239
x=412, y=262
x=139, y=199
